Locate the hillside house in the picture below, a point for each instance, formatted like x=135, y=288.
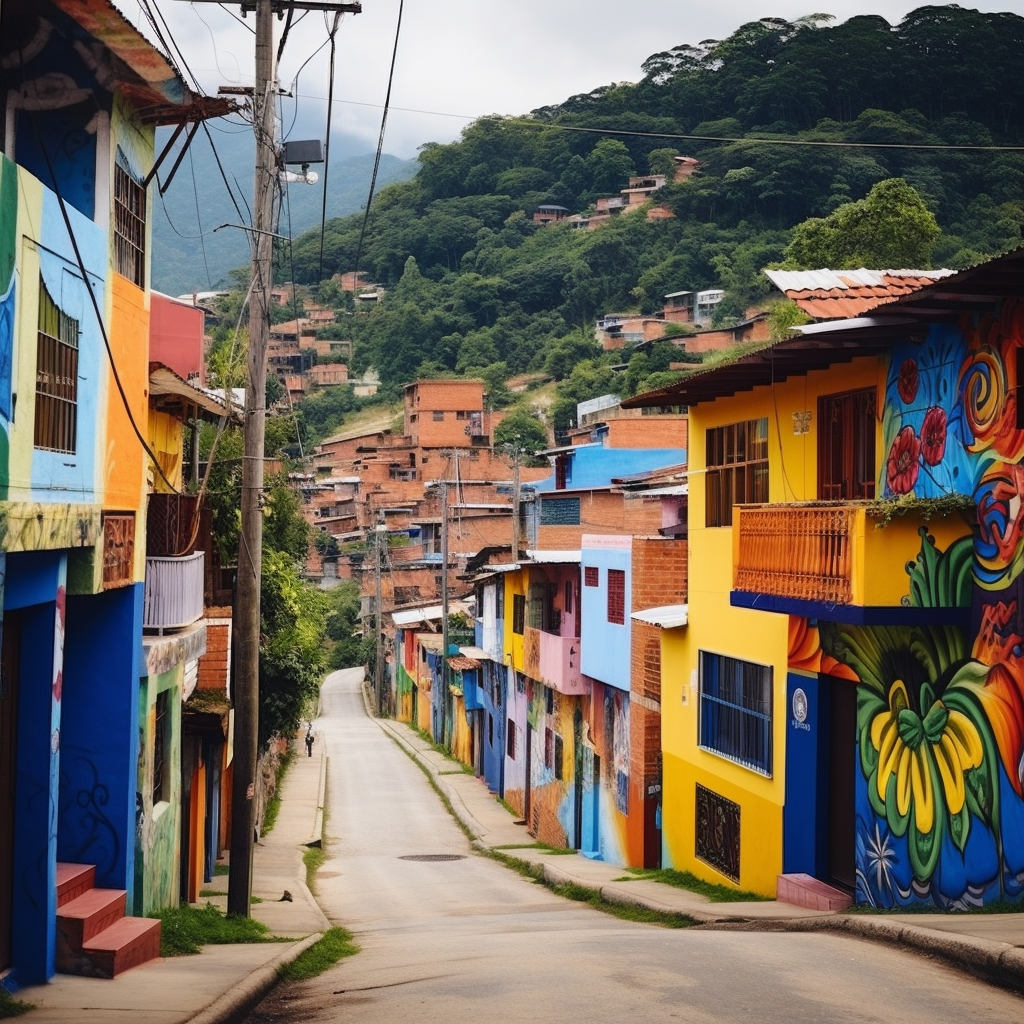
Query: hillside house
x=75, y=301
x=822, y=627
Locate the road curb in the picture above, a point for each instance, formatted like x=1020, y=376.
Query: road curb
x=997, y=963
x=234, y=1005
x=317, y=836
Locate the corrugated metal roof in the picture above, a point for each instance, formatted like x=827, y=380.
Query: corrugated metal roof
x=555, y=557
x=841, y=294
x=475, y=652
x=409, y=615
x=668, y=616
x=462, y=664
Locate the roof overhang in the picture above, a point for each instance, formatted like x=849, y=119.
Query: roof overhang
x=170, y=393
x=669, y=616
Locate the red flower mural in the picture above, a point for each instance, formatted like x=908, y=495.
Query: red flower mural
x=906, y=383
x=933, y=435
x=904, y=462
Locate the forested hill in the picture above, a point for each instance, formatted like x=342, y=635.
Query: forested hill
x=491, y=289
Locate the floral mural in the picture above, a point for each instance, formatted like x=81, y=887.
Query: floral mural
x=940, y=708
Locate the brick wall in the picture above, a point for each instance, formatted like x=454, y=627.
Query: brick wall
x=648, y=432
x=215, y=664
x=604, y=512
x=645, y=671
x=659, y=572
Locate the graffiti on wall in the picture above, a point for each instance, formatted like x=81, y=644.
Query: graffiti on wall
x=940, y=710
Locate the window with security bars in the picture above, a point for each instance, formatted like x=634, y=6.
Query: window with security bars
x=591, y=576
x=56, y=416
x=617, y=596
x=161, y=734
x=518, y=613
x=560, y=512
x=737, y=469
x=129, y=227
x=736, y=710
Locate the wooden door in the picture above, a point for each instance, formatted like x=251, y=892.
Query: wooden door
x=842, y=857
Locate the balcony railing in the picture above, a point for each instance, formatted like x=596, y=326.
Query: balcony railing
x=174, y=591
x=796, y=551
x=553, y=660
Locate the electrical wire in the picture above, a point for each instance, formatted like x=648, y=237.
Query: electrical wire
x=380, y=140
x=327, y=145
x=199, y=221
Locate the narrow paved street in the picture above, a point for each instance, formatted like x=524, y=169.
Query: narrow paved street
x=461, y=940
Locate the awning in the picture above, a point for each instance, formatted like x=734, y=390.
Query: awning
x=168, y=389
x=669, y=616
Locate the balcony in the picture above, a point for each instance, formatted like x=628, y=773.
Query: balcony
x=174, y=591
x=797, y=558
x=553, y=660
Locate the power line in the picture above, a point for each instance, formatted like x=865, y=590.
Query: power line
x=327, y=145
x=380, y=140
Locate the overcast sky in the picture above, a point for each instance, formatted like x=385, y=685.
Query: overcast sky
x=460, y=59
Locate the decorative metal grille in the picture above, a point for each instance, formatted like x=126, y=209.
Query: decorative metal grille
x=129, y=227
x=56, y=415
x=617, y=596
x=118, y=549
x=718, y=832
x=171, y=525
x=590, y=576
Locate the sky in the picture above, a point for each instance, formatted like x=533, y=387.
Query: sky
x=461, y=59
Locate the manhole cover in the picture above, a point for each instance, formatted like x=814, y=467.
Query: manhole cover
x=433, y=856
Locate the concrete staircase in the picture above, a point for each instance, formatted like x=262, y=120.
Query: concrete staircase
x=94, y=937
x=810, y=892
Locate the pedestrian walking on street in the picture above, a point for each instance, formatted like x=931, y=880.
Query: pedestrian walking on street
x=309, y=744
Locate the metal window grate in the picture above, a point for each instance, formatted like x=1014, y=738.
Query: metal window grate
x=736, y=710
x=590, y=576
x=717, y=836
x=129, y=227
x=617, y=596
x=56, y=414
x=118, y=548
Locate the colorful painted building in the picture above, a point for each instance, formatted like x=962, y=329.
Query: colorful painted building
x=846, y=702
x=83, y=92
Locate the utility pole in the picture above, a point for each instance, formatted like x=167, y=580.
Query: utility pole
x=515, y=503
x=250, y=545
x=444, y=607
x=380, y=535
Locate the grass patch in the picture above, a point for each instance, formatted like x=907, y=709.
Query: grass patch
x=517, y=864
x=221, y=869
x=206, y=893
x=11, y=1007
x=186, y=929
x=335, y=945
x=625, y=912
x=313, y=858
x=685, y=880
x=508, y=807
x=557, y=851
x=274, y=806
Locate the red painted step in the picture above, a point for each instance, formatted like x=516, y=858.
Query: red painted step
x=73, y=880
x=94, y=938
x=807, y=891
x=85, y=917
x=130, y=942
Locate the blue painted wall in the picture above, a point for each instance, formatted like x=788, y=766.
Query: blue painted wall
x=605, y=645
x=35, y=584
x=595, y=465
x=492, y=692
x=99, y=744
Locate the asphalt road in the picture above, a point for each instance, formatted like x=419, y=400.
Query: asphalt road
x=463, y=940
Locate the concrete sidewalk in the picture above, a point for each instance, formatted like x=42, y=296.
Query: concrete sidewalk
x=222, y=982
x=990, y=946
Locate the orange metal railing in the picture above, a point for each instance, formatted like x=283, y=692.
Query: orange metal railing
x=796, y=551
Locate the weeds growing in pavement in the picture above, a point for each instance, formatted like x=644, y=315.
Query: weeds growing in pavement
x=686, y=880
x=334, y=945
x=185, y=929
x=11, y=1007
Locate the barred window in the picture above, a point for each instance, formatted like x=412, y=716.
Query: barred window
x=161, y=737
x=737, y=469
x=129, y=227
x=736, y=710
x=56, y=417
x=560, y=512
x=590, y=576
x=518, y=613
x=617, y=596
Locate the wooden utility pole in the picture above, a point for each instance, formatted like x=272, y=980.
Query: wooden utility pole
x=515, y=504
x=245, y=687
x=380, y=540
x=250, y=545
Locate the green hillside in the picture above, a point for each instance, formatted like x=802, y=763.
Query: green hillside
x=476, y=287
